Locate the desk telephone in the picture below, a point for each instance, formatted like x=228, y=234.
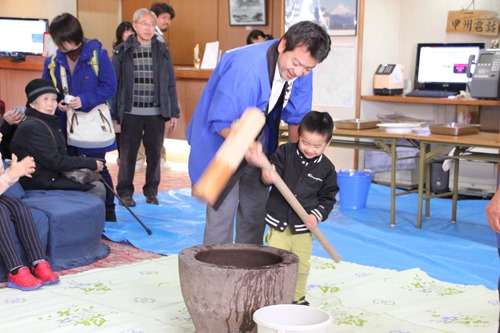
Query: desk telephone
x=485, y=80
x=389, y=79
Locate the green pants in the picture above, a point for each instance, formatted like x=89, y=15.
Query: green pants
x=299, y=244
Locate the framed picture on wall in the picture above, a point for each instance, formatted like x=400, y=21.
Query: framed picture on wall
x=338, y=17
x=247, y=12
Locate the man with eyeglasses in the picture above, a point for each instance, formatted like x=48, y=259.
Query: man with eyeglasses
x=145, y=100
x=164, y=16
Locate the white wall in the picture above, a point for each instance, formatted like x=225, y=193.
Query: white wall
x=382, y=19
x=334, y=90
x=381, y=38
x=424, y=21
x=392, y=30
x=394, y=37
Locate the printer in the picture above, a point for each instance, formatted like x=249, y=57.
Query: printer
x=389, y=80
x=484, y=83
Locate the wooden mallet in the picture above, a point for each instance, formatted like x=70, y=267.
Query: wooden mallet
x=227, y=159
x=243, y=133
x=301, y=212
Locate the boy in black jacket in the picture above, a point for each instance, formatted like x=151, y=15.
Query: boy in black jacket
x=312, y=178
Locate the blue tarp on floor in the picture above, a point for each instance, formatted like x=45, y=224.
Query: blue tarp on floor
x=464, y=252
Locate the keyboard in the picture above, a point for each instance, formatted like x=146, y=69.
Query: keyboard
x=431, y=93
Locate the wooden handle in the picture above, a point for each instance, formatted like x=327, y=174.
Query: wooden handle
x=301, y=212
x=229, y=156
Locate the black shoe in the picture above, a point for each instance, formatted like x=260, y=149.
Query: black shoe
x=127, y=201
x=152, y=199
x=301, y=301
x=111, y=216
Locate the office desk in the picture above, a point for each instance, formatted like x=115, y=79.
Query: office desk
x=432, y=145
x=379, y=140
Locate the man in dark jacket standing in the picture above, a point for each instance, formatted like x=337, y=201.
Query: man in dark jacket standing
x=145, y=100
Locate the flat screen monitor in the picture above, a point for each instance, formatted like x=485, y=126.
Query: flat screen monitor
x=21, y=36
x=442, y=66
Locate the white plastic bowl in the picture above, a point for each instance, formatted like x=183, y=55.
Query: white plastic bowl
x=288, y=318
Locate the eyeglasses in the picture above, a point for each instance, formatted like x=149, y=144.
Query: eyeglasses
x=147, y=24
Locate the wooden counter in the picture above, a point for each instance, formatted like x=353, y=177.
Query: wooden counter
x=366, y=133
x=192, y=73
x=425, y=100
x=190, y=85
x=481, y=139
x=32, y=63
x=14, y=76
x=482, y=111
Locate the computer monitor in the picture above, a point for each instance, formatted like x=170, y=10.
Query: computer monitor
x=441, y=66
x=21, y=36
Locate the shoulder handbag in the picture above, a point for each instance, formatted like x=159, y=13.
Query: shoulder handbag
x=93, y=129
x=82, y=176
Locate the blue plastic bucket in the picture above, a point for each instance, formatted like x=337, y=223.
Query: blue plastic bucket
x=354, y=187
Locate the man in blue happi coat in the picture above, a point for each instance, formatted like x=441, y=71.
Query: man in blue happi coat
x=274, y=76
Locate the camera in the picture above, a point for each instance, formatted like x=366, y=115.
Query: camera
x=68, y=98
x=20, y=109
